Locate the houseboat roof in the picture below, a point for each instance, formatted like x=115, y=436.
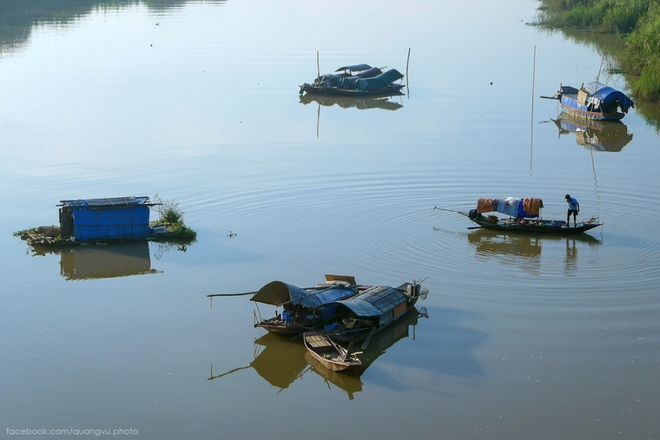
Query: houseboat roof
x=108, y=202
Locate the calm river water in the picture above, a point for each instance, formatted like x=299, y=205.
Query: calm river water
x=197, y=101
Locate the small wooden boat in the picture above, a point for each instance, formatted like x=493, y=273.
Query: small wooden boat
x=594, y=101
x=303, y=308
x=523, y=216
x=358, y=80
x=330, y=354
x=361, y=316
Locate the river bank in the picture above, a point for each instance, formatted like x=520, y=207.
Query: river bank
x=634, y=25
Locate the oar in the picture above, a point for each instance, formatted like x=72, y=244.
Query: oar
x=230, y=294
x=365, y=344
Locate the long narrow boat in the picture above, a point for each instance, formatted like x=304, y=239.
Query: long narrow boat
x=594, y=101
x=523, y=216
x=303, y=308
x=369, y=312
x=330, y=354
x=358, y=80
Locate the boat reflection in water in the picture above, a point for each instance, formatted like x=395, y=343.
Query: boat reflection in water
x=526, y=248
x=595, y=135
x=383, y=102
x=281, y=360
x=345, y=102
x=101, y=260
x=372, y=349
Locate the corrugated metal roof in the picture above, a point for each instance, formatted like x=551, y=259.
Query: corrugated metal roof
x=375, y=301
x=107, y=202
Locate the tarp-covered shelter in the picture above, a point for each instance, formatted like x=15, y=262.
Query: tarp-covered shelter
x=361, y=84
x=515, y=207
x=118, y=218
x=606, y=97
x=382, y=302
x=278, y=293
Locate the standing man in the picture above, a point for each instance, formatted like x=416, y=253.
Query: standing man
x=573, y=208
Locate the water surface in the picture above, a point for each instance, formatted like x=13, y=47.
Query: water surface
x=197, y=101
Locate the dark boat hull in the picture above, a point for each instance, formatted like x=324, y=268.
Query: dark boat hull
x=553, y=227
x=390, y=90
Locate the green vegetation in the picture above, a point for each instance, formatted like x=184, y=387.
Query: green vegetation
x=635, y=22
x=171, y=216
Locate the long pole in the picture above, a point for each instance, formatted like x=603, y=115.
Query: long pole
x=407, y=79
x=531, y=122
x=318, y=66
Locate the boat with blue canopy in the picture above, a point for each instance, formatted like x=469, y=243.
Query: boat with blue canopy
x=369, y=312
x=356, y=80
x=594, y=101
x=522, y=215
x=303, y=308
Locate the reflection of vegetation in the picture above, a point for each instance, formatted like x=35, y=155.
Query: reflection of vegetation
x=17, y=17
x=166, y=246
x=635, y=22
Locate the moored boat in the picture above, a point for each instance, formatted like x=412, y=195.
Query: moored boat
x=369, y=312
x=329, y=353
x=523, y=215
x=357, y=80
x=594, y=101
x=303, y=308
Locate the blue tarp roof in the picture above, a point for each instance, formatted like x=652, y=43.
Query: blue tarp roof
x=607, y=94
x=277, y=293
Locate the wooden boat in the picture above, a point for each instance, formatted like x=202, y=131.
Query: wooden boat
x=594, y=101
x=361, y=316
x=358, y=80
x=330, y=354
x=380, y=343
x=523, y=216
x=303, y=308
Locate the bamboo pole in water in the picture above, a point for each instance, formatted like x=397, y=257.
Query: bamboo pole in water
x=407, y=80
x=318, y=66
x=531, y=122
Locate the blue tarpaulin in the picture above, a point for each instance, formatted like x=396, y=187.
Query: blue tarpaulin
x=119, y=218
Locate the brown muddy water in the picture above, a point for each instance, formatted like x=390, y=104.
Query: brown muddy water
x=197, y=101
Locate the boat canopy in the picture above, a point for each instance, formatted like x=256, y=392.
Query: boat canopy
x=374, y=302
x=360, y=84
x=277, y=293
x=354, y=68
x=602, y=95
x=519, y=208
